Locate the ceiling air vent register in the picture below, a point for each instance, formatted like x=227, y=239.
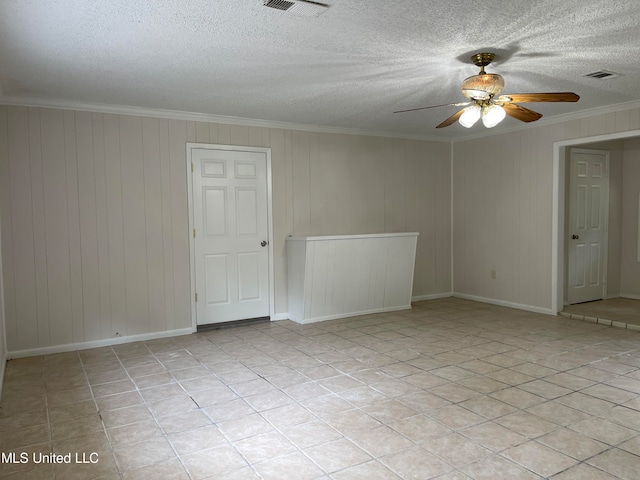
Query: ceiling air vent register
x=298, y=7
x=601, y=74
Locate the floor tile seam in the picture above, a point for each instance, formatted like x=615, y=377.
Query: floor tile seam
x=230, y=443
x=615, y=422
x=104, y=427
x=578, y=462
x=326, y=472
x=279, y=430
x=582, y=391
x=46, y=407
x=615, y=445
x=399, y=473
x=331, y=475
x=584, y=460
x=170, y=372
x=524, y=440
x=163, y=434
x=484, y=457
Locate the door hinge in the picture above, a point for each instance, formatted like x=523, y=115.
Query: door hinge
x=192, y=168
x=194, y=233
x=196, y=297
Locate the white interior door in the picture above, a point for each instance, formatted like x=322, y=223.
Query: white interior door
x=588, y=217
x=230, y=218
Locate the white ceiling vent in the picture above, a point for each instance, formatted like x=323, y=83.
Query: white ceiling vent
x=601, y=74
x=298, y=7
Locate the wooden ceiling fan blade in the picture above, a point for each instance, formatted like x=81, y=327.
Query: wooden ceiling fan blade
x=435, y=106
x=540, y=97
x=451, y=120
x=521, y=113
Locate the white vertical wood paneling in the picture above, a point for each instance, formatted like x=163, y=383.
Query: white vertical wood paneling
x=224, y=134
x=320, y=182
x=289, y=182
x=255, y=137
x=3, y=343
x=22, y=226
x=521, y=233
x=73, y=216
x=333, y=276
x=8, y=282
x=630, y=235
x=239, y=135
x=133, y=219
x=115, y=207
x=180, y=223
x=167, y=224
x=95, y=221
x=102, y=224
x=90, y=269
x=153, y=222
x=39, y=237
x=213, y=133
x=301, y=183
x=60, y=229
x=203, y=134
x=442, y=204
x=280, y=210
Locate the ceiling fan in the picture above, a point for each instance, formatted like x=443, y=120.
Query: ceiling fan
x=482, y=90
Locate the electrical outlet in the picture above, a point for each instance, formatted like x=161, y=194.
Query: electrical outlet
x=493, y=274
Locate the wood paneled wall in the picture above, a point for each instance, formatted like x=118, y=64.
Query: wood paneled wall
x=95, y=221
x=503, y=208
x=3, y=343
x=630, y=270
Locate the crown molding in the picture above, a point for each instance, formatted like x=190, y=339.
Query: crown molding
x=565, y=117
x=252, y=122
x=202, y=117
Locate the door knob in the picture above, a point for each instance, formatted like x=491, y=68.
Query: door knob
x=264, y=243
x=575, y=237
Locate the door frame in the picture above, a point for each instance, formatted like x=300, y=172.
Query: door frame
x=558, y=217
x=192, y=261
x=605, y=241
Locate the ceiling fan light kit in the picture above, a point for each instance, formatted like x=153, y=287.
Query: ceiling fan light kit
x=470, y=115
x=492, y=115
x=483, y=89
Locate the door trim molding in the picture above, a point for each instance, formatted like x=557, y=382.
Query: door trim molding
x=192, y=271
x=557, y=214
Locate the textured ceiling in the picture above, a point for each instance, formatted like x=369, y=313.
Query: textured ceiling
x=351, y=67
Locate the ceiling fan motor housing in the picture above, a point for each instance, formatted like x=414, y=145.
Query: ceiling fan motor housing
x=483, y=86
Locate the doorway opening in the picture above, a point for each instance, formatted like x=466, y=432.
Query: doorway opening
x=610, y=305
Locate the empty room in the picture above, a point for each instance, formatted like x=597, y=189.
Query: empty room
x=299, y=240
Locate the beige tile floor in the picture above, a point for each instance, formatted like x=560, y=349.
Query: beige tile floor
x=620, y=310
x=451, y=389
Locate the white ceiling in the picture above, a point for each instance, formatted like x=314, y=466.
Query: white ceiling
x=350, y=68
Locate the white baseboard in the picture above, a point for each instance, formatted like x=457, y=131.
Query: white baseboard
x=502, y=303
x=279, y=316
x=350, y=314
x=630, y=295
x=612, y=295
x=433, y=296
x=70, y=347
